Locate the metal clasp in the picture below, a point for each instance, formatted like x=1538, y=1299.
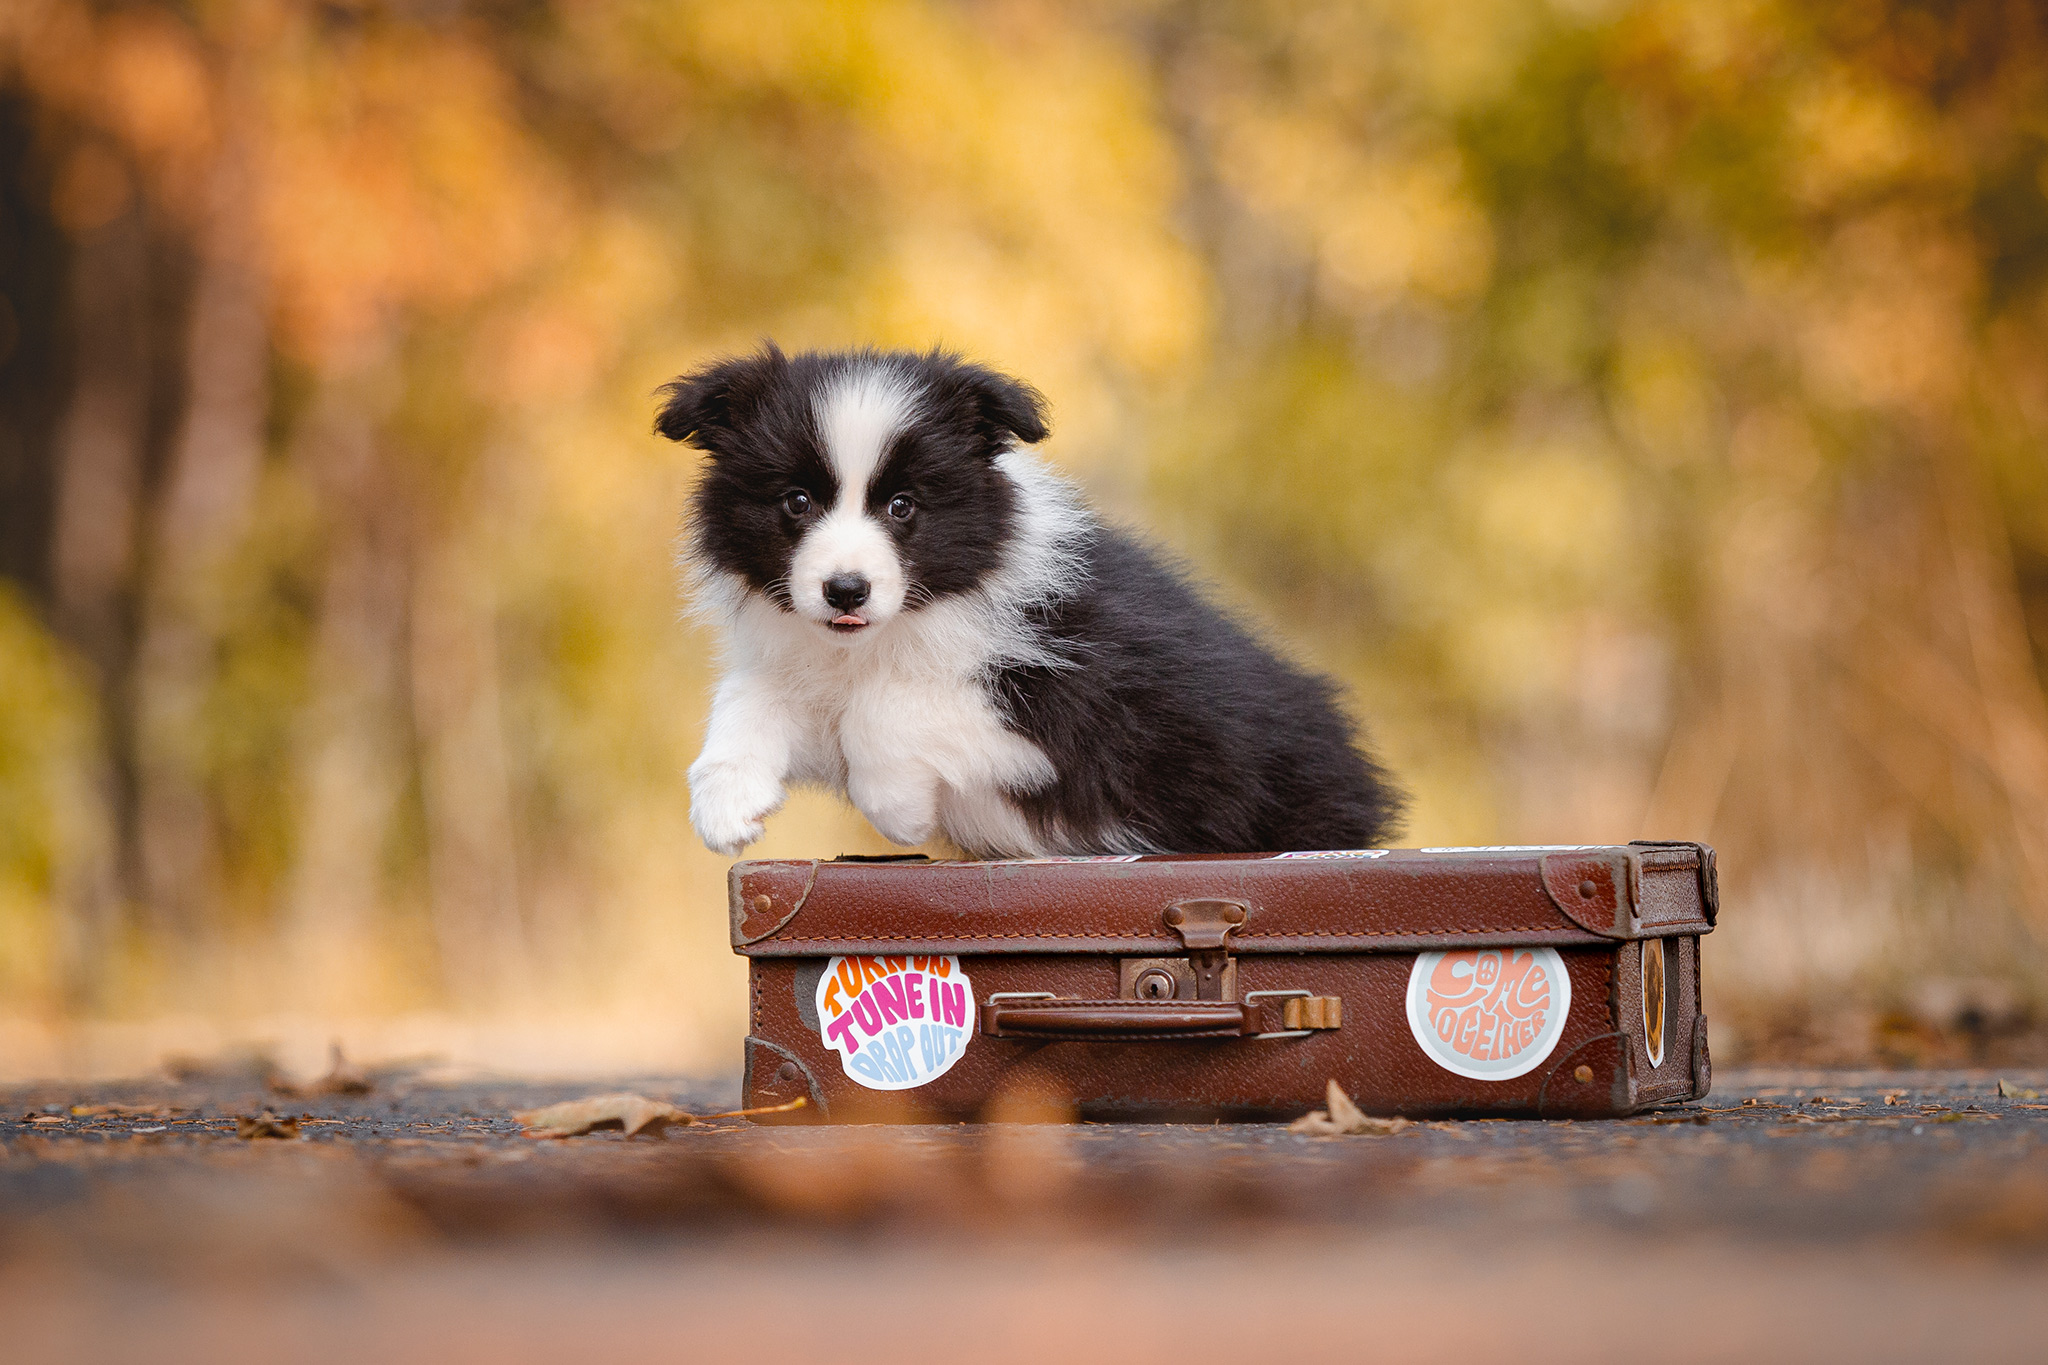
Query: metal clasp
x=1203, y=925
x=1285, y=1033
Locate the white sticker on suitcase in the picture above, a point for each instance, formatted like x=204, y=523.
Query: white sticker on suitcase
x=1518, y=848
x=1335, y=853
x=896, y=1022
x=1488, y=1013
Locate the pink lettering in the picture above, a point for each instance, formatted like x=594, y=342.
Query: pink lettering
x=888, y=993
x=913, y=993
x=866, y=1015
x=842, y=1029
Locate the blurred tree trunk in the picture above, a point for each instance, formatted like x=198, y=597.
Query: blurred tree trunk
x=35, y=348
x=130, y=293
x=207, y=494
x=353, y=743
x=471, y=859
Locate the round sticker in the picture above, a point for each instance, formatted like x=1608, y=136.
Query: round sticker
x=1653, y=999
x=896, y=1022
x=1488, y=1013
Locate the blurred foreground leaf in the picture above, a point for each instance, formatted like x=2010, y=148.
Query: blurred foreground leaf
x=1343, y=1117
x=266, y=1125
x=630, y=1112
x=343, y=1078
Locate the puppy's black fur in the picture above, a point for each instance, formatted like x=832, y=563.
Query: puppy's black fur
x=1183, y=728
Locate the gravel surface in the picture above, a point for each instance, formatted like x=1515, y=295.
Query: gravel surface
x=1887, y=1215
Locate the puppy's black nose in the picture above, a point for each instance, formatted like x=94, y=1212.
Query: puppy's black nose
x=845, y=591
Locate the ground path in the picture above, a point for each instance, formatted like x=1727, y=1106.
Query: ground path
x=1879, y=1215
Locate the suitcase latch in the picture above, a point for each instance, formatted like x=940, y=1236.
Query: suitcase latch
x=1202, y=926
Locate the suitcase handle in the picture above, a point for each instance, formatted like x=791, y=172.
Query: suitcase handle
x=1052, y=1019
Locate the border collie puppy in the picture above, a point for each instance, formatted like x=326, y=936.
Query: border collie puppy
x=924, y=618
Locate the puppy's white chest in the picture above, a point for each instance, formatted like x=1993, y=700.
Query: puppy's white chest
x=924, y=753
x=903, y=727
x=947, y=727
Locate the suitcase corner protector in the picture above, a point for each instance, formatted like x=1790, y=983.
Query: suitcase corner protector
x=775, y=1075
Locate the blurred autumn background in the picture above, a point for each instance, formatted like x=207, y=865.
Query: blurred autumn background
x=1641, y=406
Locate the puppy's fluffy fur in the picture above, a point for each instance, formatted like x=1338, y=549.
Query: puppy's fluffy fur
x=923, y=617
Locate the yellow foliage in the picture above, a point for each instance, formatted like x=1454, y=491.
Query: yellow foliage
x=1639, y=405
x=48, y=769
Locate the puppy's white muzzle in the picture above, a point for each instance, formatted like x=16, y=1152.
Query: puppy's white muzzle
x=846, y=549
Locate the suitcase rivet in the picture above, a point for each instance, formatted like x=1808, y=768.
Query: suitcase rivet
x=1586, y=888
x=1235, y=914
x=1583, y=1074
x=1174, y=914
x=763, y=904
x=786, y=1072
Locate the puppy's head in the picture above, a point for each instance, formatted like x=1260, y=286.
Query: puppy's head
x=851, y=487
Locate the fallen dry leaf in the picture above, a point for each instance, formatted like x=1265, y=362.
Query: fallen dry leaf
x=1343, y=1117
x=2008, y=1091
x=342, y=1078
x=630, y=1112
x=147, y=1111
x=248, y=1066
x=266, y=1125
x=1796, y=1117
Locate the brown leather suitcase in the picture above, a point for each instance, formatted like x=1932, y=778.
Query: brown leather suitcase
x=1531, y=982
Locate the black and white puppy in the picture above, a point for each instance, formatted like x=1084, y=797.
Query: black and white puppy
x=922, y=616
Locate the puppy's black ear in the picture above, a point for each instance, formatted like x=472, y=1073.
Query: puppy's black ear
x=1006, y=406
x=700, y=406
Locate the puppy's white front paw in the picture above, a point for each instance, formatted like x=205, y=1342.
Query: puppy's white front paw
x=730, y=804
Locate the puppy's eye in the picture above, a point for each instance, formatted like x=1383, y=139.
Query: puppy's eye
x=900, y=507
x=796, y=502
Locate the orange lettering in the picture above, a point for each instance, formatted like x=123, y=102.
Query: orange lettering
x=1488, y=1005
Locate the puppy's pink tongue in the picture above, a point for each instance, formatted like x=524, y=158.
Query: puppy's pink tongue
x=848, y=621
